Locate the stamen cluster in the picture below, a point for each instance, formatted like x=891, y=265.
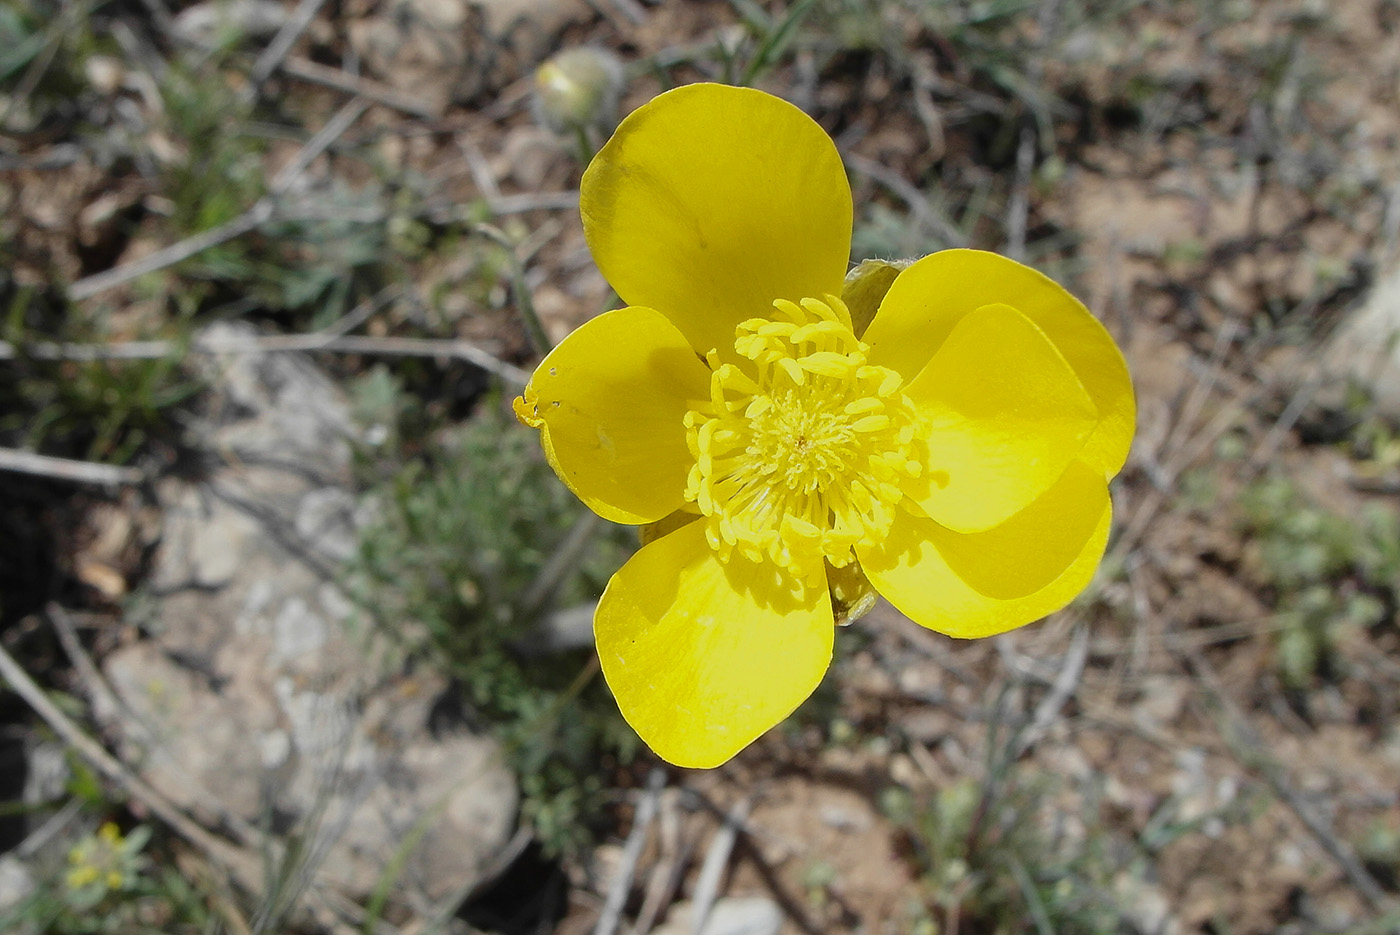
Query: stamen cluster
x=806, y=451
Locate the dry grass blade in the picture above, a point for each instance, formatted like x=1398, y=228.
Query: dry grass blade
x=561, y=564
x=1019, y=204
x=334, y=129
x=1065, y=684
x=89, y=286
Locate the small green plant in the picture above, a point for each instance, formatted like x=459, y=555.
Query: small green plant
x=1329, y=575
x=766, y=37
x=997, y=854
x=991, y=860
x=465, y=546
x=107, y=410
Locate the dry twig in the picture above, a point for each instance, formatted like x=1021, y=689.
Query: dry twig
x=676, y=848
x=66, y=469
x=278, y=343
x=716, y=859
x=1247, y=747
x=1063, y=688
x=917, y=201
x=326, y=76
x=611, y=915
x=276, y=52
x=260, y=213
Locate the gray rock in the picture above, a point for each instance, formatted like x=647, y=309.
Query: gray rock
x=731, y=915
x=16, y=882
x=252, y=697
x=47, y=776
x=1365, y=348
x=750, y=915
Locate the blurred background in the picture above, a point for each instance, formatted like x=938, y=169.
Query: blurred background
x=295, y=619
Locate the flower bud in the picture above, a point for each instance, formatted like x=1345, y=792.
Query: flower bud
x=865, y=288
x=578, y=89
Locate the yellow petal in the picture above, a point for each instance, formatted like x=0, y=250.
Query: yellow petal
x=1005, y=416
x=610, y=404
x=934, y=294
x=705, y=656
x=989, y=582
x=710, y=202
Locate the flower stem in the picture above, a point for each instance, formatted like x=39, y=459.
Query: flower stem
x=524, y=302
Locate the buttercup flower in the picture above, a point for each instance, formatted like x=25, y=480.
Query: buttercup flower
x=783, y=450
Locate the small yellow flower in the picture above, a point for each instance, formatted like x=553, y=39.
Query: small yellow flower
x=954, y=453
x=103, y=862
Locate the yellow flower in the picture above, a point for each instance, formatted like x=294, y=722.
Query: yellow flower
x=954, y=454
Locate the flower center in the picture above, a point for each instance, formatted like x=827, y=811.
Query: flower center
x=806, y=453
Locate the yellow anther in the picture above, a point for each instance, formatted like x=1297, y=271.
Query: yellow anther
x=871, y=424
x=827, y=364
x=793, y=370
x=821, y=309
